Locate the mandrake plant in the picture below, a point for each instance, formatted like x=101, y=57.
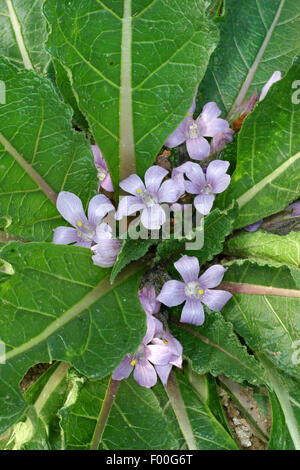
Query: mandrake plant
x=122, y=123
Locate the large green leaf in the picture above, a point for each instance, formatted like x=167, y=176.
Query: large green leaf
x=266, y=178
x=135, y=420
x=40, y=155
x=134, y=67
x=23, y=33
x=215, y=348
x=257, y=38
x=58, y=305
x=266, y=246
x=265, y=310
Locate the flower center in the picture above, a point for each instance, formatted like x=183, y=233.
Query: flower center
x=193, y=290
x=140, y=354
x=207, y=189
x=101, y=174
x=193, y=131
x=85, y=232
x=148, y=198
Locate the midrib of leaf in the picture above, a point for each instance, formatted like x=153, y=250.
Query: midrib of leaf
x=104, y=413
x=18, y=34
x=47, y=190
x=178, y=406
x=252, y=192
x=243, y=92
x=52, y=384
x=99, y=291
x=284, y=399
x=127, y=148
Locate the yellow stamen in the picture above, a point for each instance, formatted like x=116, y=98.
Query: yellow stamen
x=79, y=224
x=166, y=342
x=200, y=291
x=133, y=363
x=139, y=191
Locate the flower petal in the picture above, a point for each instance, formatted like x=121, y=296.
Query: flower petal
x=188, y=268
x=216, y=299
x=128, y=205
x=178, y=136
x=216, y=176
x=172, y=293
x=253, y=227
x=144, y=373
x=98, y=158
x=148, y=300
x=70, y=207
x=210, y=112
x=198, y=148
x=106, y=252
x=221, y=139
x=132, y=185
x=192, y=312
x=158, y=354
x=204, y=203
x=124, y=369
x=65, y=235
x=196, y=176
x=217, y=126
x=169, y=191
x=153, y=217
x=107, y=183
x=99, y=206
x=163, y=373
x=212, y=277
x=103, y=232
x=153, y=178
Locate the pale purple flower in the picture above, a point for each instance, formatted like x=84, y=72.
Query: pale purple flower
x=148, y=197
x=206, y=185
x=102, y=169
x=195, y=290
x=151, y=306
x=107, y=248
x=221, y=139
x=295, y=208
x=84, y=232
x=275, y=78
x=175, y=349
x=253, y=227
x=143, y=362
x=193, y=131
